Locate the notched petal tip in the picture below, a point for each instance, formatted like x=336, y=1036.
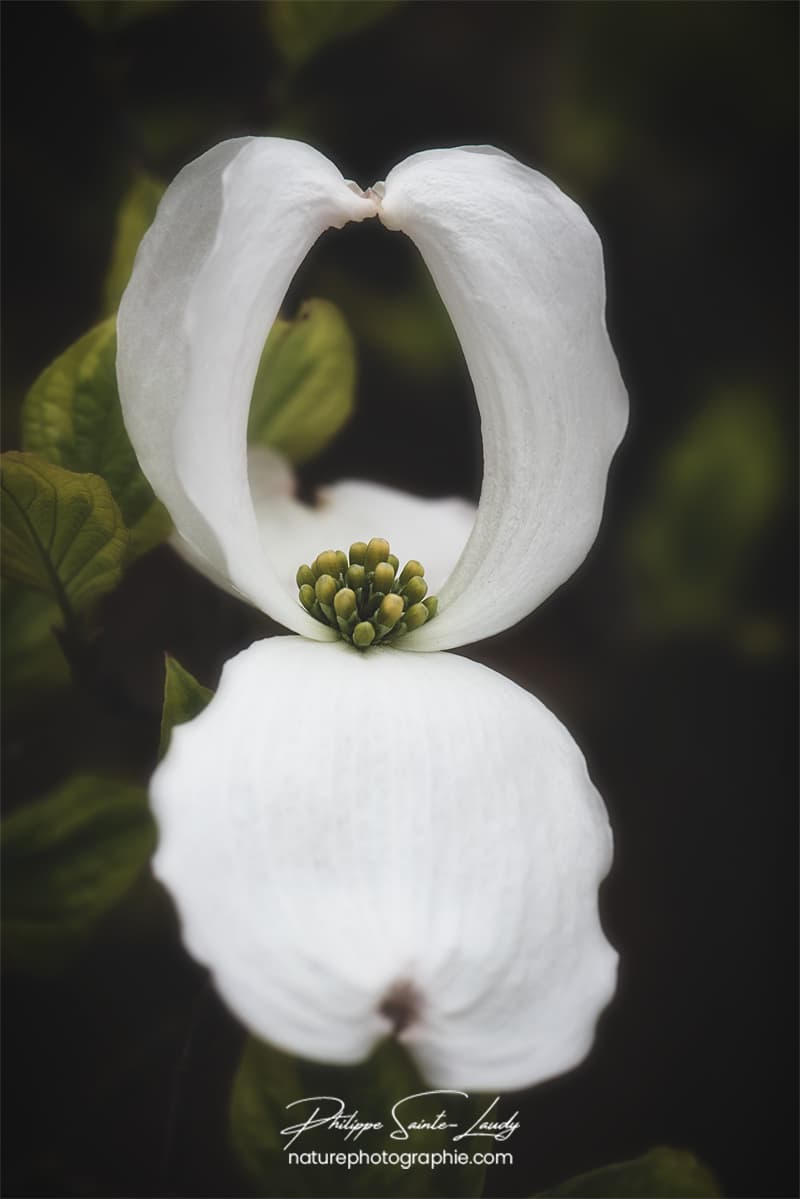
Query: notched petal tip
x=376, y=193
x=370, y=205
x=458, y=914
x=401, y=1006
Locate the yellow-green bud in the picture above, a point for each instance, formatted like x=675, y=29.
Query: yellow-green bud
x=326, y=564
x=411, y=570
x=356, y=577
x=390, y=611
x=363, y=600
x=363, y=634
x=307, y=596
x=415, y=590
x=432, y=604
x=384, y=577
x=344, y=603
x=377, y=551
x=326, y=589
x=416, y=616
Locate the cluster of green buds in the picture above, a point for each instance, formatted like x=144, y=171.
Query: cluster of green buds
x=363, y=597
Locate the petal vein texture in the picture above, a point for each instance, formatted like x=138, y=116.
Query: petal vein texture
x=339, y=829
x=520, y=270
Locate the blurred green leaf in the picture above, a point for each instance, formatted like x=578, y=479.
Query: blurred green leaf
x=68, y=859
x=410, y=326
x=267, y=1081
x=72, y=417
x=658, y=1174
x=134, y=218
x=586, y=142
x=600, y=122
x=62, y=532
x=305, y=387
x=174, y=126
x=712, y=499
x=302, y=30
x=184, y=698
x=109, y=16
x=33, y=664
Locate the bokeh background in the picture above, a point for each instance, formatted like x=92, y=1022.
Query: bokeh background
x=670, y=655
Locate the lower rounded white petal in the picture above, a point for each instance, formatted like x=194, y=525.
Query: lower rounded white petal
x=342, y=830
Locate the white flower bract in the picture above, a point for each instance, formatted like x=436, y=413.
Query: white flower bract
x=408, y=842
x=451, y=843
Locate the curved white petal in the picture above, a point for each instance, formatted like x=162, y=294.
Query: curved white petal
x=341, y=830
x=272, y=486
x=208, y=280
x=520, y=270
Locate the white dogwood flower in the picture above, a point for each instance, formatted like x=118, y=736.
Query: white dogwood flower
x=362, y=842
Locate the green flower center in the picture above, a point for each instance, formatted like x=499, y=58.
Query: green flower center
x=363, y=597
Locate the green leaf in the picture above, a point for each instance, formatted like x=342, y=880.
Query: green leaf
x=184, y=698
x=693, y=545
x=659, y=1174
x=267, y=1080
x=68, y=859
x=134, y=218
x=305, y=386
x=72, y=417
x=33, y=664
x=408, y=325
x=110, y=16
x=302, y=30
x=62, y=532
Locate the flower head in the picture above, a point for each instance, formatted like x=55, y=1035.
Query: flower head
x=361, y=843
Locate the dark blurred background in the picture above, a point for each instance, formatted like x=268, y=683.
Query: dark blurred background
x=670, y=656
